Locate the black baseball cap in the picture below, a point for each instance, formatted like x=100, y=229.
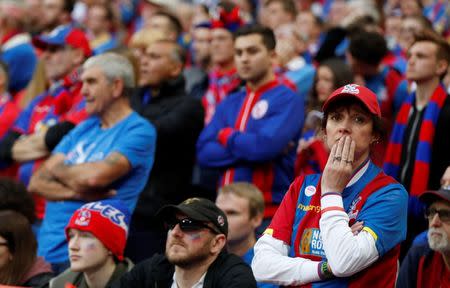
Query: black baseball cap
x=199, y=209
x=428, y=197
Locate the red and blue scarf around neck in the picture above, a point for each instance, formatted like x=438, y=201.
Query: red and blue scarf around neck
x=419, y=181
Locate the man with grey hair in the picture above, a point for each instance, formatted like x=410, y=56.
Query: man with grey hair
x=107, y=156
x=178, y=119
x=428, y=264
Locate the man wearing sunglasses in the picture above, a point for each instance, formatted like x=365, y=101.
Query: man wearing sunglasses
x=428, y=264
x=195, y=255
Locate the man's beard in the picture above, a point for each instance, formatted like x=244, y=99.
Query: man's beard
x=438, y=244
x=186, y=261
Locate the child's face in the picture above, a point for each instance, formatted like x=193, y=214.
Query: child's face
x=86, y=252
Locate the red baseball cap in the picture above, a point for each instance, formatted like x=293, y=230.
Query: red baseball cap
x=363, y=94
x=64, y=35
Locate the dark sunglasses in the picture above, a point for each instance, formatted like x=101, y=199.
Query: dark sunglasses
x=189, y=225
x=444, y=215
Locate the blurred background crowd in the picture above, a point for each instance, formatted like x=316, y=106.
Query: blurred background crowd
x=181, y=67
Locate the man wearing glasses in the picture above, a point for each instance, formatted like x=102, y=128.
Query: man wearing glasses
x=428, y=264
x=195, y=255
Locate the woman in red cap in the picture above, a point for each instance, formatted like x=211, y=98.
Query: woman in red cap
x=311, y=238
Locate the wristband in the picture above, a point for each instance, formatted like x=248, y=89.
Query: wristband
x=332, y=208
x=324, y=271
x=331, y=193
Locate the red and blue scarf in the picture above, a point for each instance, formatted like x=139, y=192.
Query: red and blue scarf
x=221, y=83
x=419, y=181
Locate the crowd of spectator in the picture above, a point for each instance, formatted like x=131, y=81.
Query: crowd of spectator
x=231, y=143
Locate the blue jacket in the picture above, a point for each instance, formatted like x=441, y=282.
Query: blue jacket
x=252, y=137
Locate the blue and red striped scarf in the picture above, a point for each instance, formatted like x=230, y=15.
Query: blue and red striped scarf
x=221, y=83
x=419, y=181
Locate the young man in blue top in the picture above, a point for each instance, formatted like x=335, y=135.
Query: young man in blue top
x=243, y=204
x=112, y=150
x=252, y=133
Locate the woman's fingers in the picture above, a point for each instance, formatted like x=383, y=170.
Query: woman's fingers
x=338, y=169
x=357, y=227
x=332, y=154
x=351, y=154
x=346, y=150
x=339, y=149
x=336, y=152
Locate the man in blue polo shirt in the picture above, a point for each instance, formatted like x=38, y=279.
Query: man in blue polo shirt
x=108, y=155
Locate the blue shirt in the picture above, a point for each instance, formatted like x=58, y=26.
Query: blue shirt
x=303, y=79
x=133, y=137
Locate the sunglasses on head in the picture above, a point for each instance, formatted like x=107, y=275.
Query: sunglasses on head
x=444, y=215
x=189, y=225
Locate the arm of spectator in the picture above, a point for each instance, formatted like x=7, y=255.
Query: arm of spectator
x=346, y=252
x=29, y=147
x=86, y=177
x=210, y=152
x=6, y=147
x=44, y=183
x=384, y=215
x=271, y=263
x=19, y=151
x=221, y=145
x=276, y=130
x=445, y=180
x=56, y=132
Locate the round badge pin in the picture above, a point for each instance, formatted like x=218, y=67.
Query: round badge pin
x=310, y=190
x=260, y=109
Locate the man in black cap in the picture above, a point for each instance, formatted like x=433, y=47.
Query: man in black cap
x=195, y=255
x=428, y=264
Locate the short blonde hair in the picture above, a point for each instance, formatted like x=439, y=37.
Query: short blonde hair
x=145, y=37
x=248, y=191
